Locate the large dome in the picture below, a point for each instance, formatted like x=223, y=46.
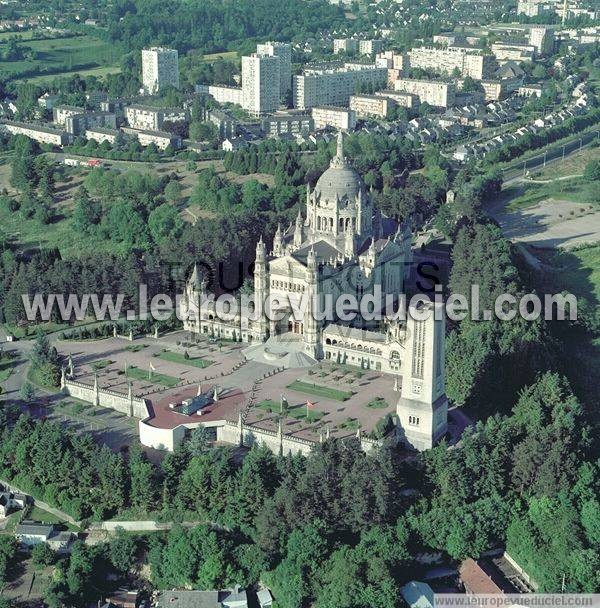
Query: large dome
x=340, y=180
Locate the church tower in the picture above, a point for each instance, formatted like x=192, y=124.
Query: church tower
x=311, y=329
x=423, y=405
x=261, y=293
x=194, y=296
x=298, y=231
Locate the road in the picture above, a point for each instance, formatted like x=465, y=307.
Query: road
x=555, y=153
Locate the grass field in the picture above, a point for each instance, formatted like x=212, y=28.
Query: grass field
x=574, y=164
x=576, y=271
x=60, y=55
x=168, y=355
x=319, y=391
x=161, y=379
x=99, y=72
x=576, y=190
x=231, y=55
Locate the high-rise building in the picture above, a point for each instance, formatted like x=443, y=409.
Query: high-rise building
x=332, y=85
x=284, y=52
x=469, y=62
x=160, y=68
x=261, y=84
x=542, y=39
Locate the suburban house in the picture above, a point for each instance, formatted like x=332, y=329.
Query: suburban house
x=31, y=533
x=10, y=501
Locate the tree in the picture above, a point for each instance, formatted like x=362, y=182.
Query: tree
x=42, y=555
x=122, y=551
x=87, y=212
x=173, y=191
x=27, y=392
x=592, y=171
x=164, y=222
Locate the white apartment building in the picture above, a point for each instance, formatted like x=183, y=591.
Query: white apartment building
x=76, y=124
x=333, y=86
x=160, y=68
x=436, y=93
x=261, y=84
x=101, y=134
x=370, y=47
x=60, y=113
x=518, y=52
x=469, y=62
x=393, y=61
x=376, y=106
x=331, y=116
x=284, y=52
x=287, y=124
x=345, y=45
x=542, y=39
x=405, y=100
x=39, y=133
x=161, y=139
x=221, y=93
x=150, y=118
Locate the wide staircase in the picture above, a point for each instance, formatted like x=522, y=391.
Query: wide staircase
x=285, y=350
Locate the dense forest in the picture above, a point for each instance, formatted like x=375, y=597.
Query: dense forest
x=337, y=528
x=215, y=25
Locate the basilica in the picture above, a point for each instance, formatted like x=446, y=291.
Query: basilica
x=341, y=246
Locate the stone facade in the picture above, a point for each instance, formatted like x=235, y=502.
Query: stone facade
x=342, y=246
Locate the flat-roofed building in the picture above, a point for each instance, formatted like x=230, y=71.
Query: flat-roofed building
x=160, y=68
x=542, y=39
x=221, y=93
x=332, y=85
x=405, y=100
x=151, y=118
x=370, y=46
x=283, y=51
x=101, y=134
x=39, y=133
x=287, y=124
x=494, y=90
x=332, y=116
x=77, y=124
x=345, y=45
x=376, y=106
x=467, y=61
x=161, y=139
x=514, y=51
x=60, y=113
x=436, y=93
x=261, y=84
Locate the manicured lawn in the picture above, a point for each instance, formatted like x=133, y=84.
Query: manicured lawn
x=168, y=355
x=378, y=404
x=37, y=514
x=135, y=348
x=319, y=391
x=162, y=379
x=101, y=364
x=296, y=411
